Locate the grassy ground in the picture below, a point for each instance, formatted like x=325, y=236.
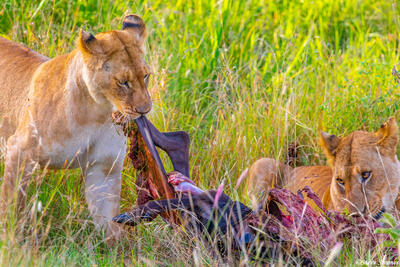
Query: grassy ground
x=244, y=78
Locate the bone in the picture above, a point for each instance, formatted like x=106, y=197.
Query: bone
x=183, y=184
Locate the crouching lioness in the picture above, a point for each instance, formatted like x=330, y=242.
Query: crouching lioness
x=57, y=112
x=364, y=173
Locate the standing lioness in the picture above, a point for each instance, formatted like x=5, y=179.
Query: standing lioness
x=364, y=173
x=57, y=112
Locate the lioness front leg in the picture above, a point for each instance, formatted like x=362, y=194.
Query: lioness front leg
x=102, y=191
x=20, y=162
x=265, y=174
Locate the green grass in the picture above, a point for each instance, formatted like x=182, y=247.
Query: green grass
x=244, y=78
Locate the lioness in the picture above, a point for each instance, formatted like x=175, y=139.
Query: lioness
x=57, y=113
x=364, y=175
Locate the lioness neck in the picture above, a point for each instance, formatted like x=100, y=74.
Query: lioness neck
x=83, y=106
x=59, y=103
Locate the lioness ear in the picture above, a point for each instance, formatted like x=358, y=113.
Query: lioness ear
x=388, y=136
x=135, y=25
x=88, y=43
x=329, y=143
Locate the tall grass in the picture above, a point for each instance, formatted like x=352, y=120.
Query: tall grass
x=244, y=78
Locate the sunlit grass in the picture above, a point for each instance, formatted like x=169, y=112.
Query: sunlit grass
x=244, y=78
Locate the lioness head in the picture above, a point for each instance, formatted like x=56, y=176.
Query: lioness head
x=114, y=70
x=366, y=172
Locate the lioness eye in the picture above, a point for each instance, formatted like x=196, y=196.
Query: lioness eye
x=123, y=84
x=365, y=176
x=340, y=181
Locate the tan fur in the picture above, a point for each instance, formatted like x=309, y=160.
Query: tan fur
x=349, y=157
x=263, y=175
x=57, y=112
